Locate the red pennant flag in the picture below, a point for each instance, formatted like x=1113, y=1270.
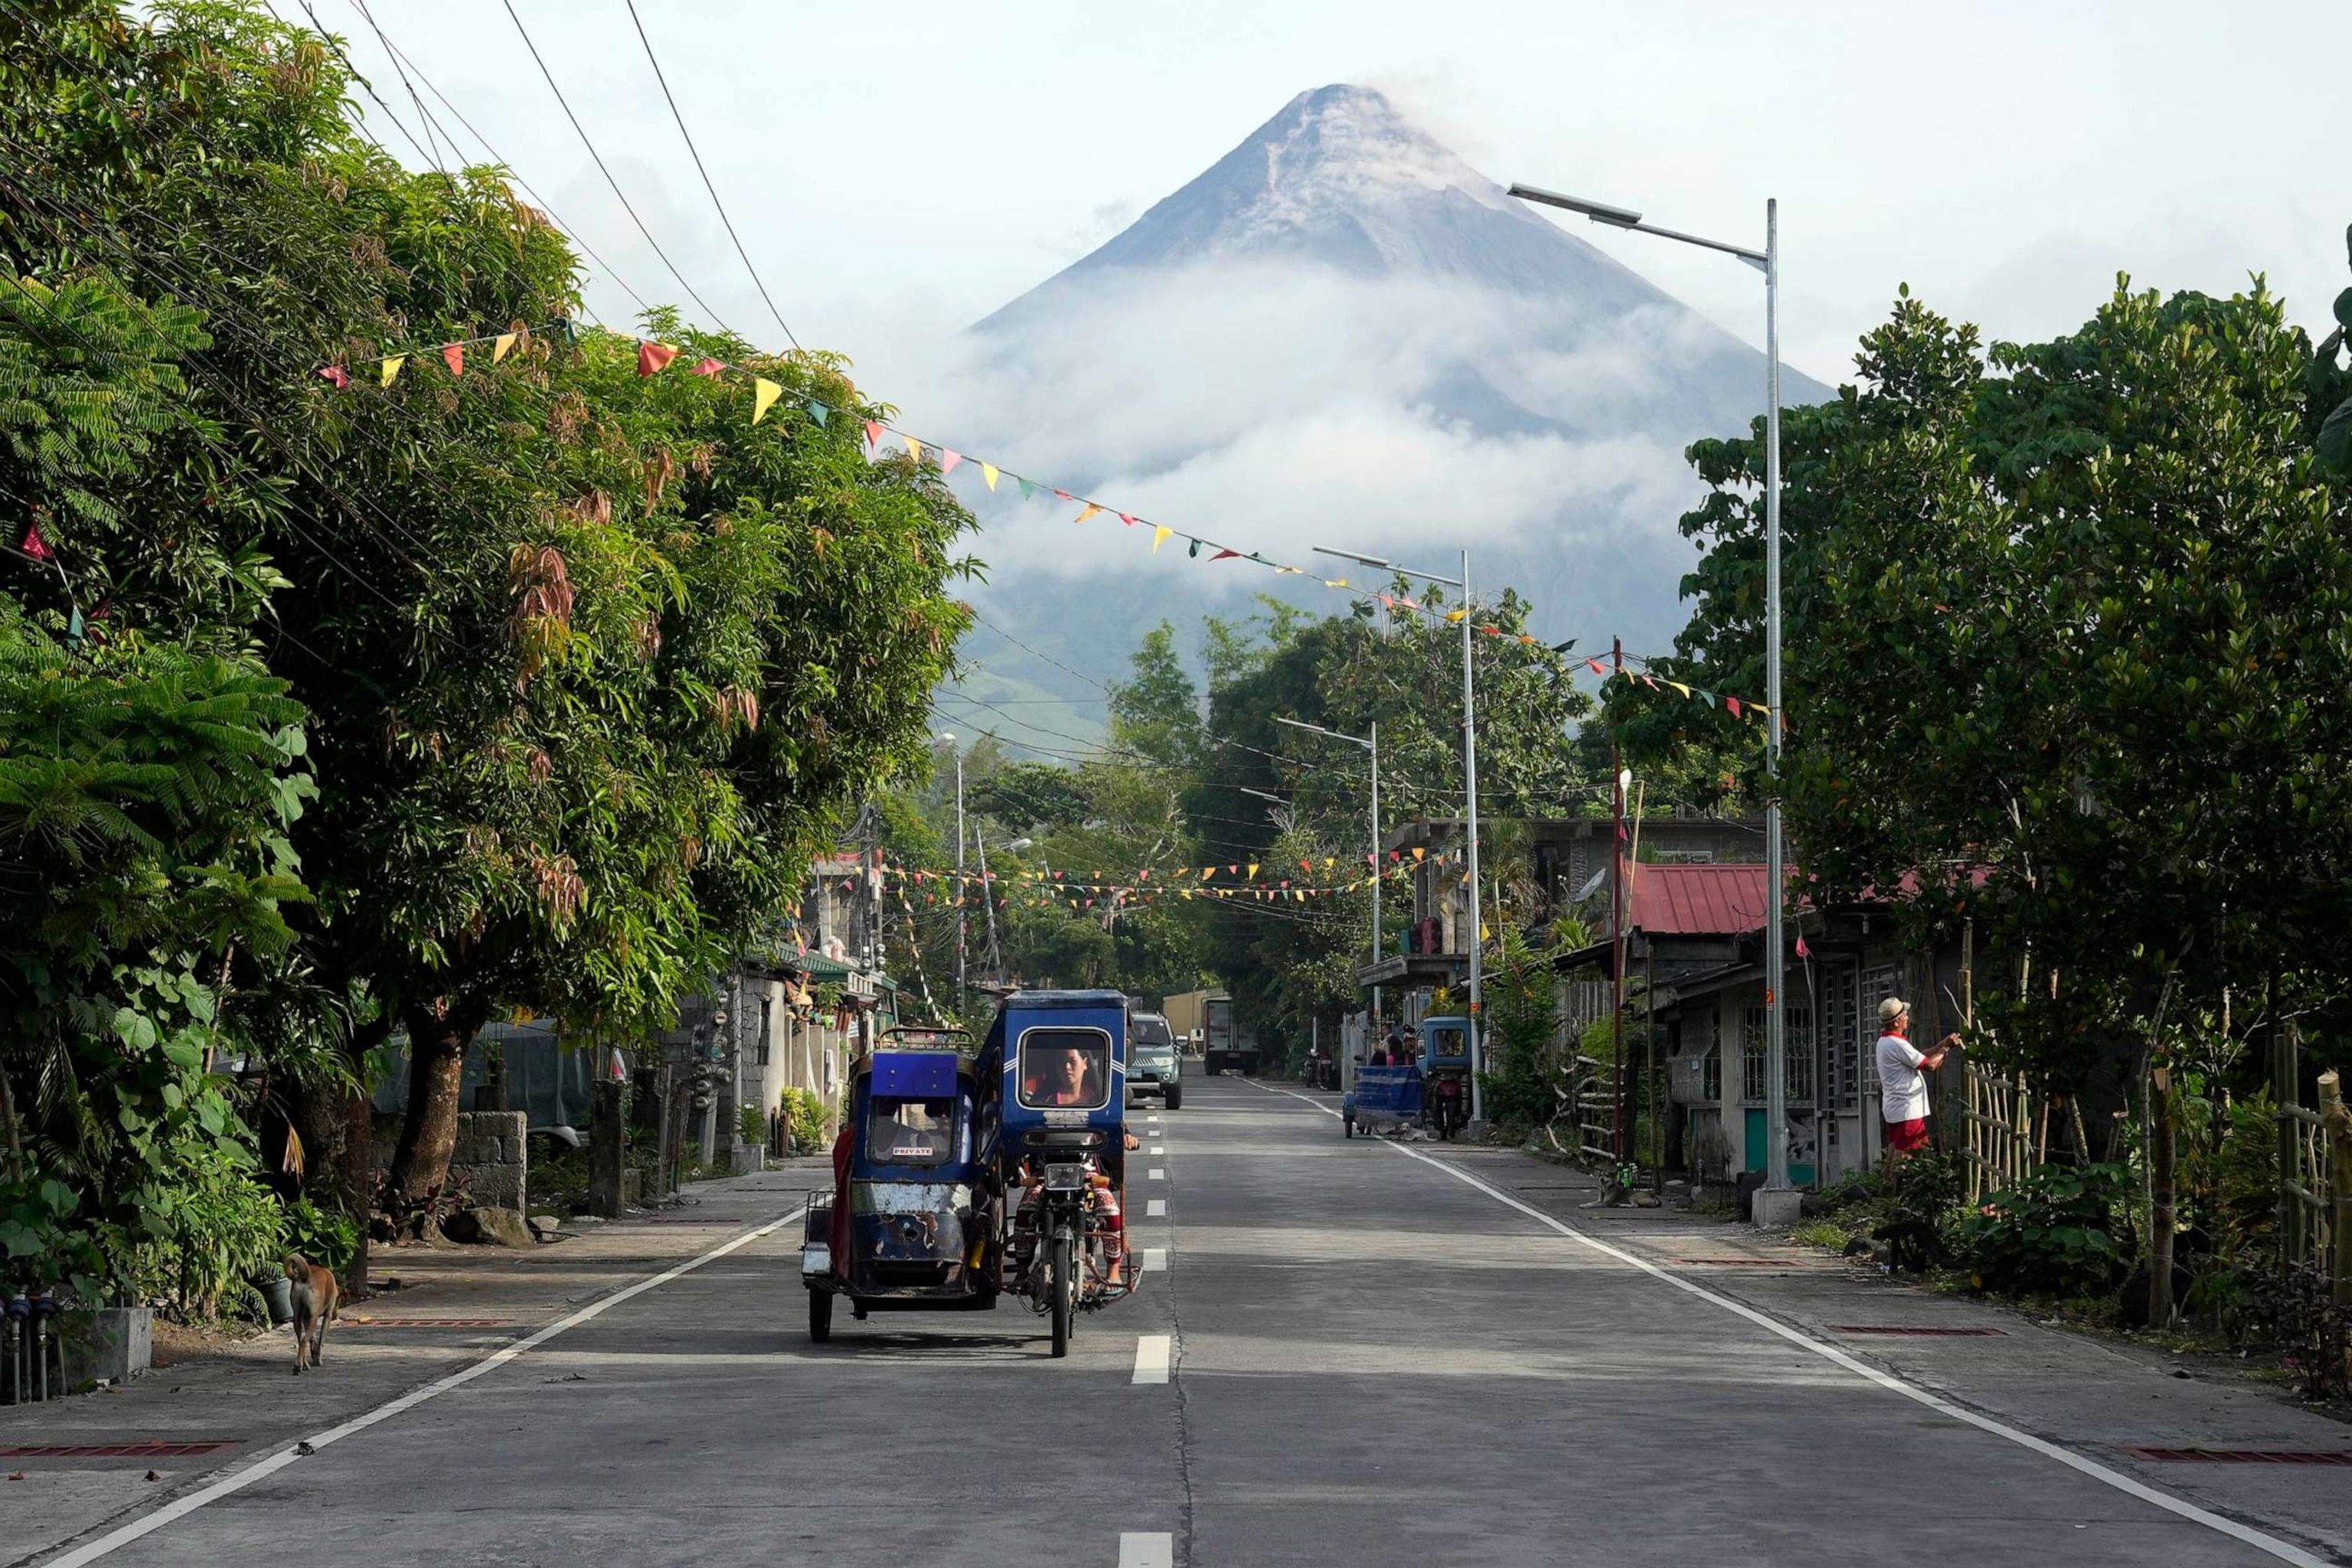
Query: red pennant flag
x=1306, y=868
x=1128, y=518
x=35, y=546
x=1232, y=870
x=652, y=358
x=1647, y=681
x=1731, y=706
x=454, y=357
x=947, y=461
x=1065, y=495
x=706, y=366
x=1394, y=856
x=1225, y=555
x=1803, y=951
x=335, y=374
x=1595, y=666
x=873, y=433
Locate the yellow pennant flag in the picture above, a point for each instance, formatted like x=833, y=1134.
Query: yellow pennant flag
x=391, y=364
x=763, y=393
x=1335, y=582
x=914, y=447
x=1159, y=537
x=1456, y=615
x=1252, y=870
x=1678, y=686
x=988, y=471
x=1091, y=508
x=499, y=349
x=1328, y=860
x=1418, y=851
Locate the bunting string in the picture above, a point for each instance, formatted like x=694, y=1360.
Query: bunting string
x=656, y=358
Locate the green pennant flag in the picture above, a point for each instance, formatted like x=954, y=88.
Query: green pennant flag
x=1027, y=490
x=1707, y=697
x=817, y=411
x=1193, y=550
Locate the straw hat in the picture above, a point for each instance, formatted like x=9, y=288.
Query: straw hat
x=1892, y=1009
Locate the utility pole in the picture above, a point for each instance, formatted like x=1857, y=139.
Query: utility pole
x=1617, y=779
x=1470, y=792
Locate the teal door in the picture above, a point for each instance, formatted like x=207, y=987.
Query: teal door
x=1799, y=1175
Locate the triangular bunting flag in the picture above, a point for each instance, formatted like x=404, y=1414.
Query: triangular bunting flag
x=654, y=357
x=1159, y=536
x=1456, y=615
x=503, y=346
x=873, y=433
x=1731, y=706
x=1027, y=489
x=1594, y=665
x=1678, y=686
x=1064, y=495
x=1090, y=510
x=988, y=471
x=1225, y=555
x=1252, y=870
x=35, y=546
x=947, y=461
x=391, y=364
x=817, y=411
x=1128, y=518
x=764, y=393
x=454, y=357
x=706, y=366
x=335, y=374
x=914, y=447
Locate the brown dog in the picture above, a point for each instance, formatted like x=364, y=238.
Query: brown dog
x=315, y=1300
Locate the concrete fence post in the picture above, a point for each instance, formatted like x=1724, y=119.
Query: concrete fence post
x=607, y=1149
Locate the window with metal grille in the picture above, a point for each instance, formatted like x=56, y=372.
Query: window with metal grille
x=1877, y=985
x=1841, y=1043
x=767, y=1025
x=1796, y=1062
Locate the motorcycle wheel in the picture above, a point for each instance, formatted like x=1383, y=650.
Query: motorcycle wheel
x=820, y=1316
x=1349, y=1124
x=1062, y=1285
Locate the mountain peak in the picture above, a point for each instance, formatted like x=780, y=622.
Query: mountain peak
x=1339, y=178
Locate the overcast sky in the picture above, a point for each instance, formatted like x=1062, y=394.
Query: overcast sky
x=900, y=171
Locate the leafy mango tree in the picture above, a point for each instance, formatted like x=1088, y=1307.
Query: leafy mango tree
x=593, y=660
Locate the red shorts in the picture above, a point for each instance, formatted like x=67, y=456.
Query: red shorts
x=1908, y=1137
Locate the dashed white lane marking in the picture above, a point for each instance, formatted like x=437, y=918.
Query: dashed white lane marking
x=1138, y=1549
x=2271, y=1544
x=1159, y=1149
x=1155, y=1260
x=105, y=1545
x=1155, y=1208
x=1156, y=1174
x=1151, y=1120
x=1152, y=1352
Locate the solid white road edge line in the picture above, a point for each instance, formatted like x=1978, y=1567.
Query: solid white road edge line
x=269, y=1466
x=1138, y=1548
x=2284, y=1552
x=1152, y=1353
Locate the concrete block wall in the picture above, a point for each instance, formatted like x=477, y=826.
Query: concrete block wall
x=491, y=1160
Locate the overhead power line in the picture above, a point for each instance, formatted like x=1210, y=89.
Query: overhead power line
x=600, y=168
x=699, y=169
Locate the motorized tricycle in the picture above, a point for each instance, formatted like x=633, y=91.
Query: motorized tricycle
x=1060, y=1148
x=959, y=1178
x=1445, y=1075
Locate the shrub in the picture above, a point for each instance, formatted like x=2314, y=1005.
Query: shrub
x=1917, y=1209
x=752, y=1125
x=1821, y=1233
x=329, y=1240
x=810, y=1121
x=2053, y=1234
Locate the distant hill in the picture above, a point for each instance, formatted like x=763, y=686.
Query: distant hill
x=1340, y=333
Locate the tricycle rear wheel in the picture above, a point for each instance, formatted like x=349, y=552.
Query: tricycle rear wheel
x=820, y=1315
x=1348, y=1123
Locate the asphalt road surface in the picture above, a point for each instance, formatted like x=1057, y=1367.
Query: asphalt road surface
x=1348, y=1355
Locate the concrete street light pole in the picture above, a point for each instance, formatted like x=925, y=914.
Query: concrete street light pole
x=1781, y=1205
x=1373, y=746
x=1470, y=800
x=960, y=907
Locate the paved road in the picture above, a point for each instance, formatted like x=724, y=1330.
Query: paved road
x=1376, y=1363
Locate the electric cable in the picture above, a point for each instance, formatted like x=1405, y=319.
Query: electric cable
x=705, y=173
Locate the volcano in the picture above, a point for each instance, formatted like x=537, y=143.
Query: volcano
x=1341, y=334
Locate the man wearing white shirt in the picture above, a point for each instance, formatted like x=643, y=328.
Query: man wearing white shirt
x=1903, y=1072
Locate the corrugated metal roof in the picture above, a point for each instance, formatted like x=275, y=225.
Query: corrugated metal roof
x=1719, y=900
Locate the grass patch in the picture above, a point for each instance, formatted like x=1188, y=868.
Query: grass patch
x=1824, y=1233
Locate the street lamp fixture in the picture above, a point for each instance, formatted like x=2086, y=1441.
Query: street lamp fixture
x=1767, y=261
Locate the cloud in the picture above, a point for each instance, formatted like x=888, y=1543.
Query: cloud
x=1275, y=406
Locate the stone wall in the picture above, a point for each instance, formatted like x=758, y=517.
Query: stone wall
x=490, y=1162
